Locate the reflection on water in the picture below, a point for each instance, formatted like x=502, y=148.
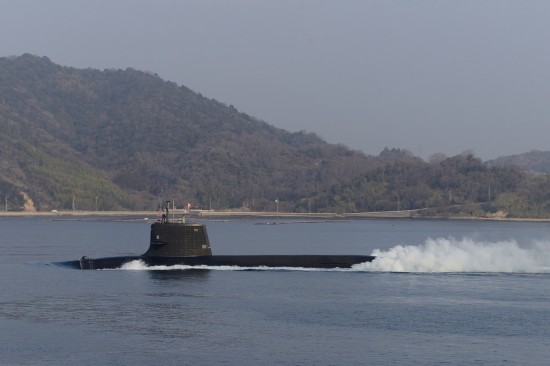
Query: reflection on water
x=179, y=275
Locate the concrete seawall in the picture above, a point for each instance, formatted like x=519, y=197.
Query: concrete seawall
x=152, y=216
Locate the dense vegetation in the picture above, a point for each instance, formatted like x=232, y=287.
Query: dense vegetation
x=456, y=185
x=534, y=161
x=125, y=139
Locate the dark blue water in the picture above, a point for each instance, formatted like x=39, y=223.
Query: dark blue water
x=426, y=315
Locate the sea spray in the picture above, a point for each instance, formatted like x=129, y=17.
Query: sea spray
x=462, y=255
x=139, y=265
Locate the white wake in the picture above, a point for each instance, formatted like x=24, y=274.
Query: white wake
x=462, y=255
x=138, y=265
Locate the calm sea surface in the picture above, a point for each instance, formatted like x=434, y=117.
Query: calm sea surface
x=441, y=293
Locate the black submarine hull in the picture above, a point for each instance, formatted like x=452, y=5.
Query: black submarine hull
x=187, y=244
x=273, y=261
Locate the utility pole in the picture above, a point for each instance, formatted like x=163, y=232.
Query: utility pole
x=6, y=203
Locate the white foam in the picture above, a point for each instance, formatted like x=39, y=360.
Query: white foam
x=462, y=255
x=139, y=265
x=136, y=265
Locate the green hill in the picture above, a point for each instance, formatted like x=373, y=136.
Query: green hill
x=127, y=139
x=534, y=161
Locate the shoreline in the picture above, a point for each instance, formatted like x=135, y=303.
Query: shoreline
x=227, y=215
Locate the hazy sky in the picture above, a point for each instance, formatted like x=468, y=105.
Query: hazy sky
x=427, y=76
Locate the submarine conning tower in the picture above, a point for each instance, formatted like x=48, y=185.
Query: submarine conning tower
x=178, y=240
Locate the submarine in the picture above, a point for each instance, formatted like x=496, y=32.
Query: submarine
x=180, y=243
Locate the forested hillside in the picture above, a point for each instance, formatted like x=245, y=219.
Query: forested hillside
x=462, y=184
x=125, y=139
x=534, y=161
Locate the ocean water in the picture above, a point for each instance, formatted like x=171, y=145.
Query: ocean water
x=441, y=293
